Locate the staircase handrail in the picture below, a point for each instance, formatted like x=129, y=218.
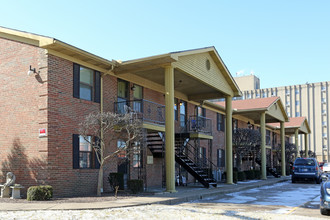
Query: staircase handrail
x=205, y=163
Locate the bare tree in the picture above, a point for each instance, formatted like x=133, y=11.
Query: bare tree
x=290, y=153
x=245, y=141
x=106, y=129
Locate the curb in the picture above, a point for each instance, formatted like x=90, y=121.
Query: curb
x=220, y=191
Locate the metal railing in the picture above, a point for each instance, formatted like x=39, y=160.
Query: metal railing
x=201, y=160
x=146, y=110
x=199, y=124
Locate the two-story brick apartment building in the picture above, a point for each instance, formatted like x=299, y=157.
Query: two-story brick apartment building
x=40, y=111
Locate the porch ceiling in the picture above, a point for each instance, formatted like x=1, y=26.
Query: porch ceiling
x=255, y=116
x=193, y=88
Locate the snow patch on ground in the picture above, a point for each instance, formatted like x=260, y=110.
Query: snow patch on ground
x=147, y=212
x=248, y=182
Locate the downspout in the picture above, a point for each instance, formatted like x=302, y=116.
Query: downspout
x=101, y=110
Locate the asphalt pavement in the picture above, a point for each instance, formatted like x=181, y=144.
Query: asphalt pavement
x=158, y=196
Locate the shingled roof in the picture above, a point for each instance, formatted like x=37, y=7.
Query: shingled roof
x=299, y=123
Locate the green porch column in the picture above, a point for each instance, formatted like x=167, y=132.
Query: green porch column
x=306, y=145
x=169, y=129
x=229, y=141
x=263, y=145
x=283, y=162
x=296, y=141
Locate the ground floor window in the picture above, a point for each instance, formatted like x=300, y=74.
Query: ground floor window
x=220, y=158
x=84, y=156
x=136, y=155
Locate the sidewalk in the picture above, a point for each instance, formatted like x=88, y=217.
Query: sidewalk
x=183, y=194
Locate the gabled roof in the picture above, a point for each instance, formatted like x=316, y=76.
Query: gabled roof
x=190, y=73
x=299, y=123
x=251, y=108
x=254, y=104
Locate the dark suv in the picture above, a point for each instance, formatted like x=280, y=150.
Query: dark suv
x=306, y=168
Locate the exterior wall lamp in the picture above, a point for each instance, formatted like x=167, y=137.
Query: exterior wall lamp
x=249, y=125
x=32, y=71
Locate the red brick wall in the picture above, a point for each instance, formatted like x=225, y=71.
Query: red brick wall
x=65, y=113
x=29, y=103
x=23, y=104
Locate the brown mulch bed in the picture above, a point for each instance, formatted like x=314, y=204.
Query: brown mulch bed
x=83, y=199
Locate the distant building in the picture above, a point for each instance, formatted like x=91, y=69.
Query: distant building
x=310, y=100
x=248, y=82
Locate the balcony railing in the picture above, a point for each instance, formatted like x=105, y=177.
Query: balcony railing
x=199, y=124
x=146, y=110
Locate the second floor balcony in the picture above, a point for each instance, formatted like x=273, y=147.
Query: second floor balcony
x=147, y=111
x=154, y=113
x=199, y=124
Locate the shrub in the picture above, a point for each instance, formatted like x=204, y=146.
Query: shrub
x=44, y=192
x=135, y=186
x=249, y=174
x=116, y=179
x=241, y=176
x=257, y=174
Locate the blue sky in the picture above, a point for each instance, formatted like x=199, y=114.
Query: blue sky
x=283, y=42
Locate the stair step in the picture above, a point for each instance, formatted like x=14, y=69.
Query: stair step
x=154, y=140
x=156, y=145
x=155, y=148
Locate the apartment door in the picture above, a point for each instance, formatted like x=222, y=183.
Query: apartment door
x=122, y=96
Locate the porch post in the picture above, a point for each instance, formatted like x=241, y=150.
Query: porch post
x=296, y=141
x=283, y=162
x=306, y=145
x=229, y=141
x=263, y=145
x=169, y=129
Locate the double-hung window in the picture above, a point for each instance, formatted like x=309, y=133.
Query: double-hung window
x=85, y=152
x=220, y=122
x=183, y=109
x=84, y=156
x=176, y=109
x=86, y=83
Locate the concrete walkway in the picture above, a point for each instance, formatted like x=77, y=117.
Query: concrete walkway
x=183, y=194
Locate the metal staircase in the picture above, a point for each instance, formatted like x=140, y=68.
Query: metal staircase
x=269, y=169
x=156, y=143
x=185, y=155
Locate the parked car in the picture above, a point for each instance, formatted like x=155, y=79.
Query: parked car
x=325, y=195
x=306, y=168
x=326, y=167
